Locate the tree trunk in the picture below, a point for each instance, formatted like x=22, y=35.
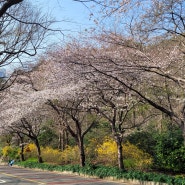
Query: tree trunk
x=38, y=151
x=120, y=154
x=22, y=153
x=60, y=147
x=66, y=138
x=118, y=140
x=183, y=131
x=82, y=152
x=63, y=140
x=22, y=147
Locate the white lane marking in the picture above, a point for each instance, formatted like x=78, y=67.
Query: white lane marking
x=10, y=175
x=2, y=181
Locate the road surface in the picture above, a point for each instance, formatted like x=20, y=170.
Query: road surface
x=21, y=176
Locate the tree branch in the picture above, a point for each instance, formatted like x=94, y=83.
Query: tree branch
x=7, y=5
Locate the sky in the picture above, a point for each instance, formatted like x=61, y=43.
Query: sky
x=74, y=16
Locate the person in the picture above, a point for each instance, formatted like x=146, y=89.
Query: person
x=11, y=162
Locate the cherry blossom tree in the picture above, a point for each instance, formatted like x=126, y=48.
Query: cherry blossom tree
x=48, y=81
x=19, y=137
x=78, y=119
x=122, y=110
x=29, y=127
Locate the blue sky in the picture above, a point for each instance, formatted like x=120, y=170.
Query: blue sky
x=74, y=16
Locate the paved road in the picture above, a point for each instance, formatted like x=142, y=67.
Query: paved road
x=20, y=176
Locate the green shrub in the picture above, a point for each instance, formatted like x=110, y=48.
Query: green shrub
x=166, y=147
x=129, y=163
x=170, y=151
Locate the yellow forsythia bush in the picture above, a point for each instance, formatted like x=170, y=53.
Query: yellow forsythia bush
x=30, y=151
x=51, y=155
x=134, y=158
x=6, y=151
x=70, y=155
x=107, y=152
x=9, y=152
